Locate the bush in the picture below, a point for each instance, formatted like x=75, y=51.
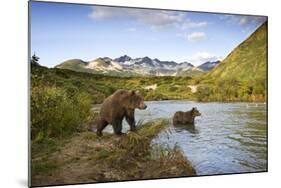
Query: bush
x=54, y=114
x=154, y=96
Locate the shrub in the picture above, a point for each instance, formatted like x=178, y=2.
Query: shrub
x=154, y=95
x=54, y=114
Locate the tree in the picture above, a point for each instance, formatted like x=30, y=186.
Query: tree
x=34, y=60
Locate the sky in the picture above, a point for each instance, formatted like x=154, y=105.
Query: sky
x=62, y=31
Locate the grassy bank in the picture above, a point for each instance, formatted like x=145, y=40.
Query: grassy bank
x=231, y=91
x=87, y=158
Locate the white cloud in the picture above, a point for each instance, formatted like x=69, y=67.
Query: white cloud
x=150, y=17
x=203, y=57
x=244, y=20
x=131, y=29
x=153, y=18
x=190, y=25
x=196, y=36
x=106, y=12
x=161, y=18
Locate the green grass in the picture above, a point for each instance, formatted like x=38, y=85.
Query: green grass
x=98, y=87
x=241, y=76
x=247, y=61
x=43, y=167
x=103, y=154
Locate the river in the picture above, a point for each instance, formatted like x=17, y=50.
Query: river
x=226, y=138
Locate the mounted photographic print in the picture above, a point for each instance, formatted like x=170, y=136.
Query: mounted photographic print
x=122, y=93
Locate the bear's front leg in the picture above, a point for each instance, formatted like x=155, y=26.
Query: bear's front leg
x=117, y=127
x=130, y=118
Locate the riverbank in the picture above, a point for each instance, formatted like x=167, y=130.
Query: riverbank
x=86, y=158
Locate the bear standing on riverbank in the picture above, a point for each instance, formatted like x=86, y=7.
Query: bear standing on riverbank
x=182, y=118
x=120, y=104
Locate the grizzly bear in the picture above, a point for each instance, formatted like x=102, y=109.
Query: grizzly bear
x=120, y=104
x=182, y=118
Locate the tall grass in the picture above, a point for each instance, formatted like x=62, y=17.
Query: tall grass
x=55, y=113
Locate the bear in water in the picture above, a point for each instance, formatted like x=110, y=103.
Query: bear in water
x=183, y=118
x=120, y=104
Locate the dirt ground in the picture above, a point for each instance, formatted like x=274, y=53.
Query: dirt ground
x=86, y=158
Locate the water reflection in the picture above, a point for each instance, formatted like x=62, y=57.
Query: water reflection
x=188, y=127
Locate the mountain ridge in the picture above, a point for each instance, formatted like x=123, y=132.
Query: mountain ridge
x=242, y=75
x=248, y=59
x=129, y=66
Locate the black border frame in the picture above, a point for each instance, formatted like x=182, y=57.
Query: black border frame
x=117, y=6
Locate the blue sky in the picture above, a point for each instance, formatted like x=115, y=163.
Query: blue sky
x=65, y=31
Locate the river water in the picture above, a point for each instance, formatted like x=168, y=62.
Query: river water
x=226, y=138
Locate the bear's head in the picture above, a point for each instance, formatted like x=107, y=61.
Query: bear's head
x=195, y=112
x=136, y=100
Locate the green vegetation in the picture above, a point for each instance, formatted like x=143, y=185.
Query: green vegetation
x=191, y=73
x=242, y=74
x=98, y=87
x=88, y=158
x=55, y=113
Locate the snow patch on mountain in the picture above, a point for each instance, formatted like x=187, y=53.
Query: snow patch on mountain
x=141, y=66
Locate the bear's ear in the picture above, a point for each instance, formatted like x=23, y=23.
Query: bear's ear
x=192, y=110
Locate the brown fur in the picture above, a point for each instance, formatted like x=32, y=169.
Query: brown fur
x=120, y=104
x=182, y=118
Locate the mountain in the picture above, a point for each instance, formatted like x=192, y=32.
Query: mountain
x=247, y=61
x=242, y=75
x=127, y=66
x=145, y=62
x=185, y=65
x=73, y=64
x=208, y=65
x=103, y=65
x=123, y=58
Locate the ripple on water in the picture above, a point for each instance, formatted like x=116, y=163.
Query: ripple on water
x=227, y=138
